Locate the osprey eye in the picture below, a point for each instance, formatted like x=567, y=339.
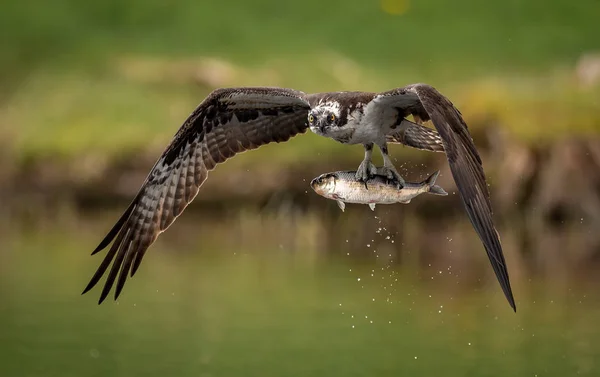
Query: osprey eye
x=331, y=117
x=311, y=118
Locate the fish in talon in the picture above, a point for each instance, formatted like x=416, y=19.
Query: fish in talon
x=343, y=187
x=230, y=121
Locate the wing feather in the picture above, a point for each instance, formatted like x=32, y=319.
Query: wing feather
x=416, y=136
x=465, y=164
x=227, y=122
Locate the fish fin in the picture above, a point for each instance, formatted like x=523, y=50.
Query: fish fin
x=433, y=188
x=341, y=204
x=430, y=181
x=405, y=201
x=437, y=190
x=372, y=206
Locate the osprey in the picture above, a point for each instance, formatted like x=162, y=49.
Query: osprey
x=234, y=120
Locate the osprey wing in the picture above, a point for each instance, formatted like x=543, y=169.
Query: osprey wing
x=227, y=122
x=427, y=103
x=416, y=136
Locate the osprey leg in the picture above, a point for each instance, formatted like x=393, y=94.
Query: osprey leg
x=388, y=167
x=366, y=169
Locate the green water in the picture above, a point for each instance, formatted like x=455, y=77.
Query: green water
x=212, y=307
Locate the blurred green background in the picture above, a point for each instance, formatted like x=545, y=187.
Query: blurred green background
x=260, y=276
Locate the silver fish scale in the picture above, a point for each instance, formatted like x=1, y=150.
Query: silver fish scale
x=343, y=187
x=378, y=189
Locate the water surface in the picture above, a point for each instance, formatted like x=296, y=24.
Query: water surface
x=249, y=304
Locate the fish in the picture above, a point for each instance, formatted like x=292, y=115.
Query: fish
x=343, y=187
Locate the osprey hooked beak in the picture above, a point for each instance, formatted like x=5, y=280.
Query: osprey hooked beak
x=321, y=122
x=316, y=123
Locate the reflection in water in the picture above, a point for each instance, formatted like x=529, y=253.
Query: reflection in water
x=291, y=293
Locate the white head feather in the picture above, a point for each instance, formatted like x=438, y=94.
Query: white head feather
x=329, y=106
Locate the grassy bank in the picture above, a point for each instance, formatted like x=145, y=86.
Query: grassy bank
x=138, y=104
x=115, y=79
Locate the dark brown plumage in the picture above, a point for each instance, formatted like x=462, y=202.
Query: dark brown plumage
x=233, y=120
x=416, y=136
x=225, y=123
x=465, y=165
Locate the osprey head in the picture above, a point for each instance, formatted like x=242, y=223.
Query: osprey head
x=324, y=118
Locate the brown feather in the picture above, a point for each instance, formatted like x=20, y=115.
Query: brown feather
x=227, y=122
x=416, y=136
x=427, y=103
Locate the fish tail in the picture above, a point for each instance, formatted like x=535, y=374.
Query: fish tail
x=433, y=188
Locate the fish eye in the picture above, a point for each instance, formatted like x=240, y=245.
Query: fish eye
x=311, y=118
x=331, y=117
